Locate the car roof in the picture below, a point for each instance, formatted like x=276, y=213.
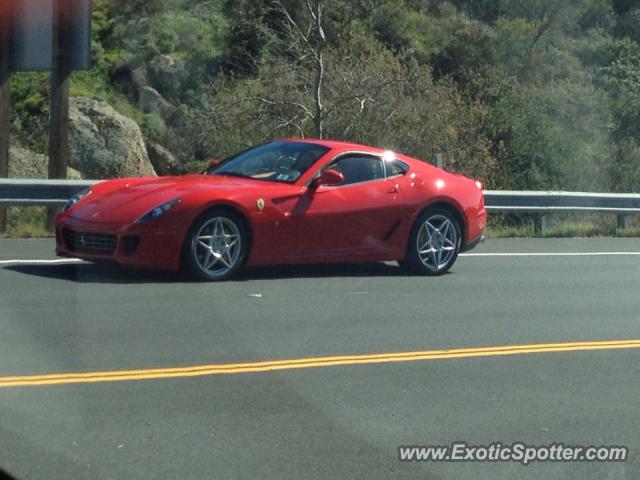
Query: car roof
x=335, y=144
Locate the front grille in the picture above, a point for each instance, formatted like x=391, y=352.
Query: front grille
x=85, y=242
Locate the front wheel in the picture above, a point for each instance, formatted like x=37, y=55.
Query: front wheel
x=434, y=242
x=216, y=246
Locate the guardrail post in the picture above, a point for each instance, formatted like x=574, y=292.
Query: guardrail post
x=624, y=221
x=539, y=223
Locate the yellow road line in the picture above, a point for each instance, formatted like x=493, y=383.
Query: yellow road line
x=312, y=362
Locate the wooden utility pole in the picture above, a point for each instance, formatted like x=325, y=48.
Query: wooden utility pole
x=5, y=96
x=61, y=71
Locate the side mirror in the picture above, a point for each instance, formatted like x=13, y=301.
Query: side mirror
x=214, y=162
x=329, y=177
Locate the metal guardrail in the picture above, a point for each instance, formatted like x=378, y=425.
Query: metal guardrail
x=532, y=202
x=37, y=192
x=540, y=204
x=18, y=192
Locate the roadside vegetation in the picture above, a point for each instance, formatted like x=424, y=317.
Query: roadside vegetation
x=27, y=222
x=561, y=225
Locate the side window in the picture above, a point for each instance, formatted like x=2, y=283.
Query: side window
x=359, y=168
x=395, y=168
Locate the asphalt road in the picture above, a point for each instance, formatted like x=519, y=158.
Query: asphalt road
x=343, y=421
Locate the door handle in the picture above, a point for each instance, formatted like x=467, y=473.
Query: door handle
x=393, y=189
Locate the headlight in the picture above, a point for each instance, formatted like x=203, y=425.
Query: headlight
x=76, y=198
x=159, y=210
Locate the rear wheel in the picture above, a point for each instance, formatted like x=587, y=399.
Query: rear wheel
x=216, y=246
x=434, y=242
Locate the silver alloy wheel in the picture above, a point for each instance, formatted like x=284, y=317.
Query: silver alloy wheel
x=216, y=246
x=437, y=242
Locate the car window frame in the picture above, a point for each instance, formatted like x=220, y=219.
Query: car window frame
x=340, y=156
x=404, y=165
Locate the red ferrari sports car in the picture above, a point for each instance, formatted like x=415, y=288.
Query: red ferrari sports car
x=290, y=201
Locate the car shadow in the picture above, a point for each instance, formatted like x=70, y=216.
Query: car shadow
x=94, y=273
x=106, y=273
x=375, y=269
x=5, y=476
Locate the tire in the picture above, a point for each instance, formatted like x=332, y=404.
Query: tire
x=216, y=246
x=434, y=242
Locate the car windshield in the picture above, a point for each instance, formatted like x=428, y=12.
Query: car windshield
x=279, y=161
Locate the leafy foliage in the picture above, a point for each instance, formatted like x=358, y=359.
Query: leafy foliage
x=523, y=94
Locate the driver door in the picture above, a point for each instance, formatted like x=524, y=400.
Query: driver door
x=353, y=220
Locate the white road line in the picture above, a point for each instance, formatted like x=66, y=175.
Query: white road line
x=545, y=254
x=490, y=254
x=36, y=262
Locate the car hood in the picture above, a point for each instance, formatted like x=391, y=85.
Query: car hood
x=126, y=200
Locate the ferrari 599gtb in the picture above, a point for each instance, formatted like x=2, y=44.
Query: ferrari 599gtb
x=285, y=202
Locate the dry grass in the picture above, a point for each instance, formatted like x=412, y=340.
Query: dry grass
x=27, y=222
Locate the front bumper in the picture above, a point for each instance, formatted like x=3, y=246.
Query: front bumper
x=147, y=246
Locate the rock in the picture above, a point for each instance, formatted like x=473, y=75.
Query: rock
x=150, y=101
x=73, y=174
x=139, y=77
x=168, y=75
x=104, y=143
x=25, y=163
x=128, y=79
x=163, y=160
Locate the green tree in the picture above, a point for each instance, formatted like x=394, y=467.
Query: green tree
x=371, y=97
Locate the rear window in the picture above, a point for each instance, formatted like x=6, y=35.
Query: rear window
x=396, y=167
